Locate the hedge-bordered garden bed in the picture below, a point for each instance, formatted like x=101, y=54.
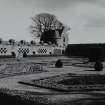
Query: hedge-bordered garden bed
x=70, y=82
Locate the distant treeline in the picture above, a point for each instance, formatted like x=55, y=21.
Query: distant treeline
x=86, y=50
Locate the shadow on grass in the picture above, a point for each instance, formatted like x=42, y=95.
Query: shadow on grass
x=6, y=99
x=15, y=99
x=90, y=70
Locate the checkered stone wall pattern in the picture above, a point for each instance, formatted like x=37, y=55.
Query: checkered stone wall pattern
x=23, y=50
x=36, y=50
x=42, y=50
x=3, y=50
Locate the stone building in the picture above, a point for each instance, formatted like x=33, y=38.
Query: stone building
x=24, y=49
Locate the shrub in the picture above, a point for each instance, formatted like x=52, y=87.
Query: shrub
x=58, y=63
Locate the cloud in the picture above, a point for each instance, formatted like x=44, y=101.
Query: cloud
x=95, y=23
x=94, y=16
x=60, y=4
x=85, y=17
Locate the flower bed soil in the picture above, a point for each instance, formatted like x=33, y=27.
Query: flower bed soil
x=8, y=70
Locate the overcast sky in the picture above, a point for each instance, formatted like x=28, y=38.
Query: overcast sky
x=86, y=18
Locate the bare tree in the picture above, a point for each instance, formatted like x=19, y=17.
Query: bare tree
x=32, y=42
x=22, y=42
x=44, y=26
x=12, y=41
x=1, y=40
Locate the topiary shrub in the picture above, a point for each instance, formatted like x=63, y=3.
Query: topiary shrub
x=24, y=54
x=97, y=55
x=13, y=54
x=59, y=63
